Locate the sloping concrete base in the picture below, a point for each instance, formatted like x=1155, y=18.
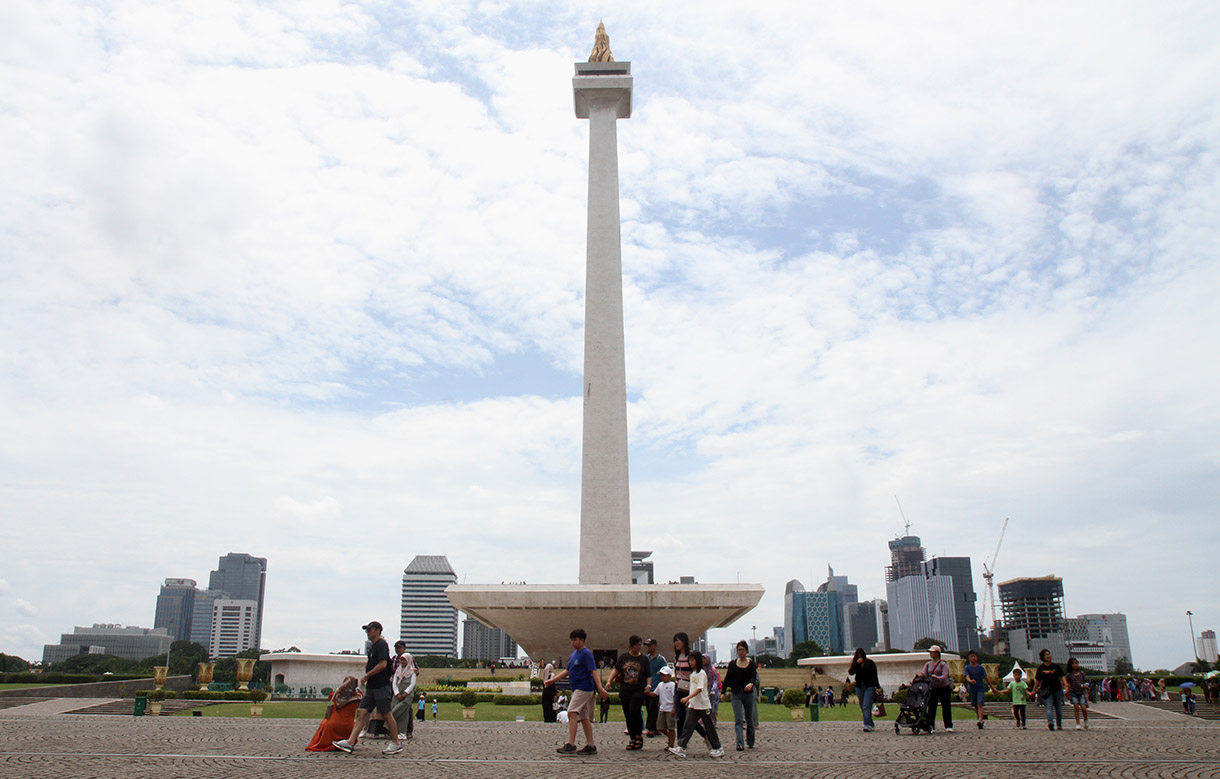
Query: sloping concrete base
x=539, y=617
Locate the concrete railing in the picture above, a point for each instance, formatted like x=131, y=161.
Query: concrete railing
x=118, y=689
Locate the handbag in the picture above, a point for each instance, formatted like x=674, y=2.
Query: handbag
x=879, y=710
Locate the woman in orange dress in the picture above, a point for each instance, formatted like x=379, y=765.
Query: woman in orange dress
x=339, y=717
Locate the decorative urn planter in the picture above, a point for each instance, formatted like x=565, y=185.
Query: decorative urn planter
x=160, y=672
x=468, y=712
x=155, y=708
x=245, y=672
x=957, y=670
x=993, y=674
x=798, y=715
x=204, y=675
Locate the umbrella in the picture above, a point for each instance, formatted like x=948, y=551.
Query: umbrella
x=1187, y=684
x=1211, y=674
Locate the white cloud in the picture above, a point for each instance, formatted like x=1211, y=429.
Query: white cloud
x=260, y=283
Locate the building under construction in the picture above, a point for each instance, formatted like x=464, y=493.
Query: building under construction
x=1033, y=605
x=906, y=558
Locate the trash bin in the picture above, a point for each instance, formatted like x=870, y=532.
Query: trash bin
x=141, y=702
x=769, y=694
x=813, y=710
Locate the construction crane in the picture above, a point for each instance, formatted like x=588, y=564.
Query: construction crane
x=989, y=577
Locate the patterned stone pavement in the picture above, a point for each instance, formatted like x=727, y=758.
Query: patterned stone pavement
x=77, y=746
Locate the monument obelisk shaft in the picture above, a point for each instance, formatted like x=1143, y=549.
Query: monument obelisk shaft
x=602, y=92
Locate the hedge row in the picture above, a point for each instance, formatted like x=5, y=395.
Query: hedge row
x=215, y=695
x=517, y=700
x=54, y=678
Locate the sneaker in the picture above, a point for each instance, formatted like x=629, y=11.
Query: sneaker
x=342, y=745
x=392, y=749
x=980, y=724
x=567, y=749
x=1086, y=724
x=716, y=753
x=1050, y=726
x=679, y=751
x=949, y=729
x=1078, y=726
x=587, y=749
x=740, y=748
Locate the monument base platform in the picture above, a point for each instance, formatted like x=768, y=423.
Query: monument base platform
x=539, y=617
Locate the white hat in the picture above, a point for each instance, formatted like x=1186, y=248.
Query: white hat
x=934, y=648
x=666, y=671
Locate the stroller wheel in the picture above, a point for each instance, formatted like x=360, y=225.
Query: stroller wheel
x=896, y=730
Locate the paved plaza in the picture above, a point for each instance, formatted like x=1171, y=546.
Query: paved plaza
x=39, y=742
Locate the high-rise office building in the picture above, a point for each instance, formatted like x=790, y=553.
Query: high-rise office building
x=1207, y=646
x=429, y=624
x=922, y=607
x=794, y=617
x=480, y=642
x=845, y=593
x=861, y=621
x=964, y=597
x=201, y=616
x=234, y=625
x=175, y=608
x=243, y=577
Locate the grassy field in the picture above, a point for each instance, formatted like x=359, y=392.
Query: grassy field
x=18, y=686
x=492, y=713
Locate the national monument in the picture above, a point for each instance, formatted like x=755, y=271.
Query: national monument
x=605, y=602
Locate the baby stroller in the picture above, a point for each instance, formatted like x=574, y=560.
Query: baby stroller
x=913, y=713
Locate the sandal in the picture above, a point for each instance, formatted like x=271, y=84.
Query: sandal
x=635, y=745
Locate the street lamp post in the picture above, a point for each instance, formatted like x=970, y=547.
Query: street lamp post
x=1194, y=648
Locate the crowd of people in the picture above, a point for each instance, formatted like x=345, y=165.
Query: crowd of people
x=680, y=698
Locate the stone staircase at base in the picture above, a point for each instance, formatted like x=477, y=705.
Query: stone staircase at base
x=127, y=706
x=1203, y=709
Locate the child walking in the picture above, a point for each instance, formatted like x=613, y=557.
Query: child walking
x=698, y=710
x=1017, y=688
x=664, y=693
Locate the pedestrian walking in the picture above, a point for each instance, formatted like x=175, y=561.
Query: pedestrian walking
x=582, y=675
x=663, y=692
x=1017, y=690
x=937, y=671
x=434, y=708
x=377, y=692
x=656, y=661
x=1048, y=689
x=548, y=694
x=868, y=686
x=405, y=673
x=976, y=686
x=682, y=673
x=633, y=672
x=739, y=680
x=698, y=710
x=1077, y=689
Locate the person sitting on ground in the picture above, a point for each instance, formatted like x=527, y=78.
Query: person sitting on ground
x=337, y=721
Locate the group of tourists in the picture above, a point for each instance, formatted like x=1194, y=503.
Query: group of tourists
x=389, y=683
x=659, y=698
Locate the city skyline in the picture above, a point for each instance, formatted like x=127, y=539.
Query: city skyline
x=308, y=280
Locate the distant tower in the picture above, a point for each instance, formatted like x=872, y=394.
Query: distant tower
x=175, y=607
x=243, y=577
x=906, y=558
x=429, y=623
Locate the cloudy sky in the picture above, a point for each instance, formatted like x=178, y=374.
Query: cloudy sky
x=305, y=280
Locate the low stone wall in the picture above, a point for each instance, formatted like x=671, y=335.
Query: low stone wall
x=98, y=689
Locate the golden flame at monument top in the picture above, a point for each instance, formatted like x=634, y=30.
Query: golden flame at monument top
x=601, y=46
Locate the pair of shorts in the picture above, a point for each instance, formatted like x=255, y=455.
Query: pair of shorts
x=977, y=697
x=377, y=698
x=666, y=720
x=1078, y=699
x=581, y=705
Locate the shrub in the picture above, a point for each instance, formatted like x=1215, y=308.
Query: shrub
x=517, y=700
x=793, y=698
x=217, y=695
x=468, y=699
x=257, y=696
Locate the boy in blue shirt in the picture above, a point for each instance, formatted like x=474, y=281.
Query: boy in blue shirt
x=582, y=673
x=976, y=685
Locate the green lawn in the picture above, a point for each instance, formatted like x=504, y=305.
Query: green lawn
x=16, y=686
x=486, y=712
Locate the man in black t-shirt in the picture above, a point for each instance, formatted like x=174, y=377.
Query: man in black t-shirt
x=634, y=671
x=378, y=693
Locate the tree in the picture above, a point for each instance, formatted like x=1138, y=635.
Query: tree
x=184, y=656
x=1201, y=666
x=1123, y=666
x=807, y=649
x=770, y=661
x=12, y=664
x=99, y=664
x=924, y=644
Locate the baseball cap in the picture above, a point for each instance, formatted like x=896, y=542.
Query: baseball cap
x=373, y=624
x=934, y=648
x=650, y=642
x=666, y=670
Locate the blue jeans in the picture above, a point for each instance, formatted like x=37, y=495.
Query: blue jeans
x=866, y=696
x=1053, y=700
x=745, y=711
